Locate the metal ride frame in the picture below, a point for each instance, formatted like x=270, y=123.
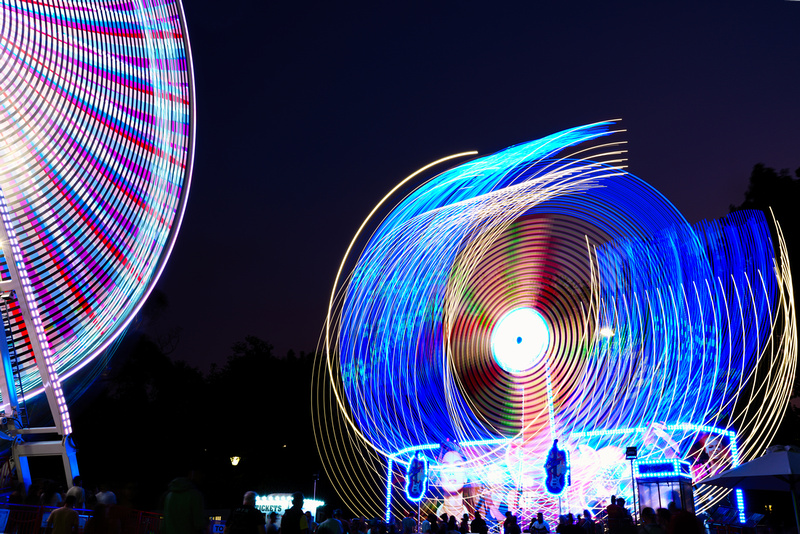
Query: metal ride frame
x=18, y=288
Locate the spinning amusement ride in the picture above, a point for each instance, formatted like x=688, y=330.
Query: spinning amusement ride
x=96, y=146
x=543, y=302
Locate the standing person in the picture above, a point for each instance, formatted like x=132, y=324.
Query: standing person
x=513, y=527
x=452, y=525
x=615, y=516
x=184, y=511
x=588, y=522
x=539, y=525
x=272, y=524
x=63, y=520
x=330, y=526
x=627, y=519
x=566, y=525
x=478, y=525
x=105, y=496
x=50, y=495
x=294, y=520
x=650, y=523
x=339, y=516
x=429, y=525
x=663, y=518
x=312, y=525
x=246, y=519
x=464, y=526
x=77, y=491
x=409, y=525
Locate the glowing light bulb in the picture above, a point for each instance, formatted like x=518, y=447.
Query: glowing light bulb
x=520, y=339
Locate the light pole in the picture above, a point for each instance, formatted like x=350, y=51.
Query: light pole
x=630, y=454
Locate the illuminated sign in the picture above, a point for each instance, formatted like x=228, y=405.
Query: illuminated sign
x=557, y=469
x=417, y=478
x=661, y=468
x=280, y=502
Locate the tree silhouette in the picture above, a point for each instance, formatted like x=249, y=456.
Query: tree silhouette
x=150, y=419
x=779, y=192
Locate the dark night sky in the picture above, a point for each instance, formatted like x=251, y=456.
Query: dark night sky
x=308, y=113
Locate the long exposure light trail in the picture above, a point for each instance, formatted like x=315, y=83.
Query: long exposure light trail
x=96, y=148
x=677, y=338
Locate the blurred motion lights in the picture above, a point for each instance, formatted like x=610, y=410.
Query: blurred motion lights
x=544, y=293
x=96, y=148
x=96, y=145
x=520, y=339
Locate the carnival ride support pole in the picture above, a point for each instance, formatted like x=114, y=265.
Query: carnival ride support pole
x=633, y=491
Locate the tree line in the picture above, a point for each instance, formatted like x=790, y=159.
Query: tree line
x=149, y=419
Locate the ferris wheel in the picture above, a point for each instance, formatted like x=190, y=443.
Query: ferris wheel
x=96, y=149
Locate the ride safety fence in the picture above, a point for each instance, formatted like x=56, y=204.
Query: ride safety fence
x=24, y=519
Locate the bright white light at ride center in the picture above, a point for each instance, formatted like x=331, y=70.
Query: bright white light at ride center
x=520, y=339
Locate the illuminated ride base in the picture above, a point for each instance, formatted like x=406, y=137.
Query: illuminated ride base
x=96, y=145
x=543, y=293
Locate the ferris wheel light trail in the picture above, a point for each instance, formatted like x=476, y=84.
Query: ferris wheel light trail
x=96, y=148
x=545, y=293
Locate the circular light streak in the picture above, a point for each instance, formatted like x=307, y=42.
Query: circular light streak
x=678, y=339
x=97, y=141
x=520, y=339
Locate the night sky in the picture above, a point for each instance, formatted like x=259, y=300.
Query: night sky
x=308, y=113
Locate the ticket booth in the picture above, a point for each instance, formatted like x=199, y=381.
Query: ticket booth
x=661, y=482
